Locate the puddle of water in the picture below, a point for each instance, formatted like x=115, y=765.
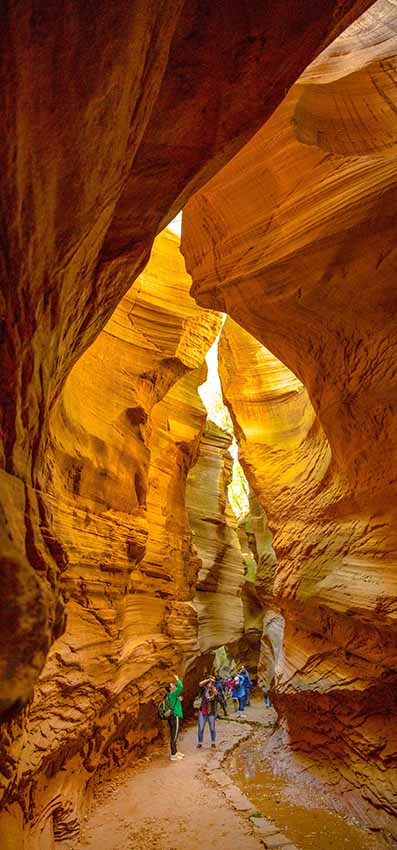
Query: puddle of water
x=309, y=826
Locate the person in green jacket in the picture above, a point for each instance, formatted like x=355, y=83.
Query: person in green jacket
x=174, y=690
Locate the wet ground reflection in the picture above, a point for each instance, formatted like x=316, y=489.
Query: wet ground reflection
x=296, y=811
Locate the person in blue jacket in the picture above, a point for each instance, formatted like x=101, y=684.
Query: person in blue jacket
x=240, y=694
x=247, y=685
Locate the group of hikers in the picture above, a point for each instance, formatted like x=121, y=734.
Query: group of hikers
x=213, y=692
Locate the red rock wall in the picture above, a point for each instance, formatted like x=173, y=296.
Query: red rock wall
x=296, y=240
x=92, y=165
x=110, y=118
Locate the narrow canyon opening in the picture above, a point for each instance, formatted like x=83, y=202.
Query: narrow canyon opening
x=197, y=435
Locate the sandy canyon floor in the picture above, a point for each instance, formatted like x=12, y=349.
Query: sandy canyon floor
x=196, y=802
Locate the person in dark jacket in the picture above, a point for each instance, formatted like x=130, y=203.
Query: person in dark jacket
x=207, y=710
x=221, y=694
x=266, y=699
x=174, y=690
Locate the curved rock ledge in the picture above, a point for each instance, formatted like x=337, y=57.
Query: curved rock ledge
x=124, y=433
x=295, y=239
x=110, y=119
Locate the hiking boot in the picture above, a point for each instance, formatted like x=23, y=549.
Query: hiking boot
x=174, y=758
x=213, y=744
x=199, y=745
x=180, y=755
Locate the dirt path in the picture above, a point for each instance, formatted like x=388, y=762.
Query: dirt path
x=193, y=804
x=184, y=805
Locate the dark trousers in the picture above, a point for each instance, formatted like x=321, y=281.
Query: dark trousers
x=222, y=702
x=173, y=723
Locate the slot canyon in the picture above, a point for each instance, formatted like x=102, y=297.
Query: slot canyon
x=273, y=128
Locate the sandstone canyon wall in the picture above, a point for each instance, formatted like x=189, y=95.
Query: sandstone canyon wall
x=123, y=435
x=263, y=623
x=110, y=118
x=221, y=568
x=296, y=240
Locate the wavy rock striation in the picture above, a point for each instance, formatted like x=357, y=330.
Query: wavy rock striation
x=263, y=623
x=214, y=536
x=109, y=121
x=124, y=433
x=296, y=240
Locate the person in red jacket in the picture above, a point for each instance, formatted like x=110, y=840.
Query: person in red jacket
x=174, y=690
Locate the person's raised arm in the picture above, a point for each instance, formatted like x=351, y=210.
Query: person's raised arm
x=179, y=685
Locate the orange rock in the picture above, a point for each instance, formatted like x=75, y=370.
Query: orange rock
x=110, y=119
x=295, y=239
x=221, y=568
x=109, y=122
x=123, y=435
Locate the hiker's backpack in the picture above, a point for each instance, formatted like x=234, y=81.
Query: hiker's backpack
x=163, y=710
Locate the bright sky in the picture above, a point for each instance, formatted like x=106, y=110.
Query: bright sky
x=176, y=224
x=211, y=395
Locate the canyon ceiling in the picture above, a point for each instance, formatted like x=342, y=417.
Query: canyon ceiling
x=120, y=559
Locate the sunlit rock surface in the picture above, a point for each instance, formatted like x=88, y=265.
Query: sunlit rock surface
x=217, y=549
x=296, y=240
x=249, y=646
x=263, y=624
x=273, y=419
x=109, y=121
x=124, y=434
x=224, y=558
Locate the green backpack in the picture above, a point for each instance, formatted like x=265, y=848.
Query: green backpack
x=164, y=710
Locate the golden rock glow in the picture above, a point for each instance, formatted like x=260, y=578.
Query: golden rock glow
x=295, y=239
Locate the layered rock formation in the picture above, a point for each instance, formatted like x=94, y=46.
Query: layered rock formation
x=110, y=119
x=214, y=535
x=123, y=436
x=273, y=419
x=296, y=240
x=263, y=624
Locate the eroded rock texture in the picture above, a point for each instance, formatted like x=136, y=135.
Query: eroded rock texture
x=123, y=435
x=110, y=118
x=296, y=240
x=248, y=650
x=262, y=623
x=214, y=535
